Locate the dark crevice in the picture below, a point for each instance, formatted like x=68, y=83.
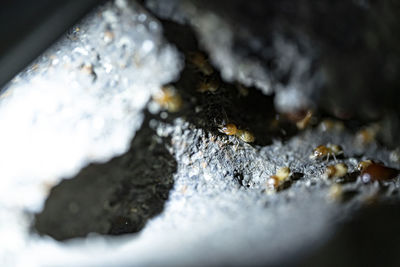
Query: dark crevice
x=248, y=108
x=113, y=198
x=363, y=240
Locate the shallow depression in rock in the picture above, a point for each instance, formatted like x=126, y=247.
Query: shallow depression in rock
x=114, y=198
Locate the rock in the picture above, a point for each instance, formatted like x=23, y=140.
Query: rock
x=188, y=193
x=339, y=57
x=82, y=101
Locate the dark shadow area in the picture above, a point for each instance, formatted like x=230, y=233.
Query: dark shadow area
x=350, y=177
x=28, y=28
x=114, y=198
x=248, y=108
x=372, y=238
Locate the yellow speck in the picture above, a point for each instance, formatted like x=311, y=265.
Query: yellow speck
x=168, y=98
x=303, y=123
x=335, y=192
x=277, y=179
x=245, y=136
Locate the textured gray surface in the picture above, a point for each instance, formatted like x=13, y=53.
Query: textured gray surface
x=83, y=99
x=80, y=102
x=322, y=54
x=219, y=209
x=191, y=195
x=213, y=217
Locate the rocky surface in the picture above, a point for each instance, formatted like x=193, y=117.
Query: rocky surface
x=190, y=194
x=82, y=101
x=325, y=55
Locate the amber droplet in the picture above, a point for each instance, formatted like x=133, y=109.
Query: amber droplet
x=378, y=172
x=364, y=164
